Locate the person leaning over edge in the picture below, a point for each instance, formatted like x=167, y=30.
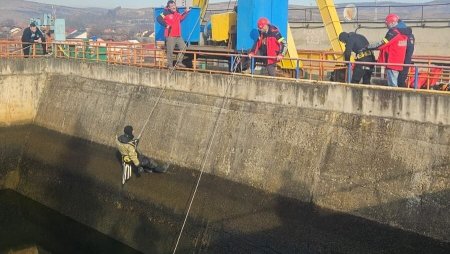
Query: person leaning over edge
x=31, y=35
x=171, y=20
x=270, y=43
x=358, y=43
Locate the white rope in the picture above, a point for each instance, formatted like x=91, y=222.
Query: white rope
x=15, y=51
x=207, y=153
x=183, y=51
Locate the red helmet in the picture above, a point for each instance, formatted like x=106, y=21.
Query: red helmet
x=391, y=18
x=262, y=22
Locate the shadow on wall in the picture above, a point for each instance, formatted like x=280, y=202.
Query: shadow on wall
x=305, y=228
x=82, y=180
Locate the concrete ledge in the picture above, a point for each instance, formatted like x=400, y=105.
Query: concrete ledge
x=375, y=152
x=386, y=102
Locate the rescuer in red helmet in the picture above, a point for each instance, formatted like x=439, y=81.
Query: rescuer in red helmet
x=270, y=43
x=392, y=49
x=171, y=19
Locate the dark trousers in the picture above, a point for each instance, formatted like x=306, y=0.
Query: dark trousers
x=362, y=72
x=148, y=163
x=26, y=49
x=403, y=75
x=171, y=44
x=272, y=69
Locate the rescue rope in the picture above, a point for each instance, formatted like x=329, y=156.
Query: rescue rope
x=214, y=131
x=208, y=150
x=15, y=51
x=171, y=70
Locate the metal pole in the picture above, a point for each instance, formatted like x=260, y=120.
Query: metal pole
x=376, y=10
x=297, y=69
x=252, y=67
x=232, y=63
x=416, y=77
x=349, y=72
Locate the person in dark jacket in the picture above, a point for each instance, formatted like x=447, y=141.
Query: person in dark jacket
x=270, y=43
x=405, y=30
x=32, y=35
x=171, y=20
x=357, y=44
x=127, y=146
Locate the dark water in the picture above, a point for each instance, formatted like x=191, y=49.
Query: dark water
x=82, y=179
x=24, y=222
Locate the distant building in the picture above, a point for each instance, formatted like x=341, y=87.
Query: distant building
x=14, y=31
x=77, y=35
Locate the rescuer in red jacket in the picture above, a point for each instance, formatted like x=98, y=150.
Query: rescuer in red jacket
x=392, y=49
x=171, y=19
x=270, y=43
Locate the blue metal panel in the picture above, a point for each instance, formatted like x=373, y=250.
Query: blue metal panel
x=190, y=26
x=60, y=30
x=249, y=11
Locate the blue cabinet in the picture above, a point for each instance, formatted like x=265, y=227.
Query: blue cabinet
x=249, y=11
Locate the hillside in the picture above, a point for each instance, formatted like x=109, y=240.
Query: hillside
x=125, y=23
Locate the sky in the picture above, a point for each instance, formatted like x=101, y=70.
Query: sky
x=152, y=3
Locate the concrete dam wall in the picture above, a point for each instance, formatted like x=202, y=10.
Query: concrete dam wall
x=378, y=153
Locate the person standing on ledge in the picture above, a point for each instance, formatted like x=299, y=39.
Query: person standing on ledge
x=127, y=146
x=171, y=20
x=270, y=43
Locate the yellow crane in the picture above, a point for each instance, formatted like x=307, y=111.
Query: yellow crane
x=332, y=25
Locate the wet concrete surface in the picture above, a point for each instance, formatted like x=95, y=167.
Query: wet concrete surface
x=82, y=180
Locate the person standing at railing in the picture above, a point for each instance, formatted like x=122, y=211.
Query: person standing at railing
x=392, y=49
x=357, y=44
x=30, y=36
x=171, y=19
x=271, y=44
x=405, y=30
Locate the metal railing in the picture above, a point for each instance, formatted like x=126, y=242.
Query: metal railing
x=377, y=13
x=311, y=65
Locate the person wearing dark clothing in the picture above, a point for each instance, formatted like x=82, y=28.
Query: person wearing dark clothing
x=32, y=35
x=171, y=20
x=127, y=146
x=405, y=30
x=357, y=44
x=270, y=43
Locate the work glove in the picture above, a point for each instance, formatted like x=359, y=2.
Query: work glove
x=135, y=142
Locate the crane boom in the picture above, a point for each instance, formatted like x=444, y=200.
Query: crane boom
x=332, y=24
x=203, y=5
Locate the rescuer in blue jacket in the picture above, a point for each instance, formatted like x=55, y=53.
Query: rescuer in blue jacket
x=405, y=30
